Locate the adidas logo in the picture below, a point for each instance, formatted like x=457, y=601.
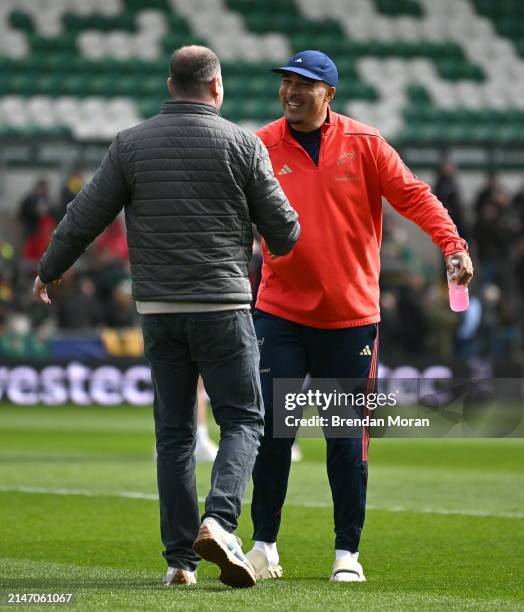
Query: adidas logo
x=366, y=350
x=298, y=61
x=285, y=169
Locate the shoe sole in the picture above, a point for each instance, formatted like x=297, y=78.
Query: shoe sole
x=180, y=578
x=233, y=572
x=272, y=572
x=360, y=579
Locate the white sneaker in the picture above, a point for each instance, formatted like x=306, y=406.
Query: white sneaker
x=176, y=576
x=205, y=450
x=215, y=544
x=347, y=570
x=296, y=453
x=263, y=569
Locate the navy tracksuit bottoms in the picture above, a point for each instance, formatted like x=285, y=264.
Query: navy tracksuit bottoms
x=291, y=350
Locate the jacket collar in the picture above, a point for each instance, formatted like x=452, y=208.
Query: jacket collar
x=193, y=108
x=330, y=121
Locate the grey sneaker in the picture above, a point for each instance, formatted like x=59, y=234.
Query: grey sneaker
x=264, y=570
x=176, y=576
x=215, y=544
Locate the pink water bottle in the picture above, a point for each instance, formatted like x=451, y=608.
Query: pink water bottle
x=458, y=294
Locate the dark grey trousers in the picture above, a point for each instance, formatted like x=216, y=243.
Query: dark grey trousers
x=222, y=348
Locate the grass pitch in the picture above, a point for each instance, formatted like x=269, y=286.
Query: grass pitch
x=78, y=513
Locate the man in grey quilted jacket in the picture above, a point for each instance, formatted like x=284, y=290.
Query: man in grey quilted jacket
x=191, y=183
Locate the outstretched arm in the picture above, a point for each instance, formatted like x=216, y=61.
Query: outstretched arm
x=87, y=216
x=413, y=199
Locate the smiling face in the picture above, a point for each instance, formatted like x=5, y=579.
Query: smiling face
x=304, y=101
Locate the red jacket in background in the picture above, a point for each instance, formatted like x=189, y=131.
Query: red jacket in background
x=37, y=242
x=330, y=278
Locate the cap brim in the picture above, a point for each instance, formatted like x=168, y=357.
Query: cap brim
x=301, y=71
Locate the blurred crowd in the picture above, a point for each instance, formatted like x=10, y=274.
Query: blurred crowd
x=416, y=319
x=95, y=295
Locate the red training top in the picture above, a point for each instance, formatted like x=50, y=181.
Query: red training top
x=330, y=278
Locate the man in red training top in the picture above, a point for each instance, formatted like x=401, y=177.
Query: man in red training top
x=318, y=307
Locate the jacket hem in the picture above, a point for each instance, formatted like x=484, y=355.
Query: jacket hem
x=278, y=312
x=231, y=298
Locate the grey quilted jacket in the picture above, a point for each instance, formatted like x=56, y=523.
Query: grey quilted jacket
x=191, y=184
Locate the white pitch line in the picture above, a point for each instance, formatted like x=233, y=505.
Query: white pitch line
x=81, y=492
x=154, y=497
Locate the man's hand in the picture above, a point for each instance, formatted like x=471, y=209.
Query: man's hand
x=40, y=289
x=461, y=270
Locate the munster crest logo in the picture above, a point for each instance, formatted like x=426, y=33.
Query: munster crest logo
x=346, y=158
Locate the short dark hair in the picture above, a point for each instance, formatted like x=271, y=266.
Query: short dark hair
x=192, y=68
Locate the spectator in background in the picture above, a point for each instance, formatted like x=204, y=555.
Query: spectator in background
x=447, y=191
x=16, y=339
x=7, y=272
x=33, y=206
x=3, y=320
x=121, y=311
x=6, y=291
x=509, y=219
x=519, y=268
x=490, y=294
x=412, y=317
x=488, y=192
x=70, y=188
x=389, y=325
x=95, y=294
x=499, y=328
x=467, y=344
x=492, y=245
x=107, y=273
x=508, y=332
x=76, y=303
x=518, y=206
x=37, y=221
x=519, y=274
x=442, y=322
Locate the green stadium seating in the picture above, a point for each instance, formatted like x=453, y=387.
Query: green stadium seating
x=55, y=66
x=507, y=17
x=399, y=7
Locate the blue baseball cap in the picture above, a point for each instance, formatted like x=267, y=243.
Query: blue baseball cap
x=313, y=65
